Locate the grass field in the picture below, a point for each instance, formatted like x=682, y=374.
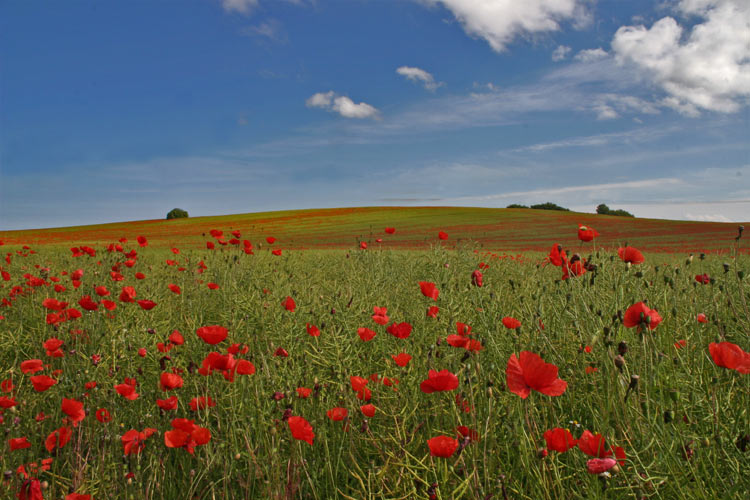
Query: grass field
x=286, y=378
x=503, y=229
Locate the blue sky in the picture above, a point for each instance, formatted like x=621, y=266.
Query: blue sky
x=115, y=111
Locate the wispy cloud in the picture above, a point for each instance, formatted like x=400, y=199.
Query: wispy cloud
x=419, y=75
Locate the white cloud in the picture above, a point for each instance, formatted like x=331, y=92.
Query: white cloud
x=591, y=55
x=608, y=106
x=498, y=22
x=560, y=53
x=605, y=112
x=243, y=6
x=419, y=75
x=270, y=30
x=342, y=105
x=707, y=68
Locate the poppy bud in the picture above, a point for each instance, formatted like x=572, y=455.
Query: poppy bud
x=674, y=395
x=622, y=348
x=740, y=275
x=619, y=362
x=8, y=475
x=542, y=453
x=634, y=381
x=668, y=416
x=726, y=267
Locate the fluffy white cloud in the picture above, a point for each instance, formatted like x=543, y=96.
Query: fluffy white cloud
x=499, y=21
x=342, y=105
x=591, y=55
x=560, y=53
x=707, y=68
x=243, y=6
x=419, y=75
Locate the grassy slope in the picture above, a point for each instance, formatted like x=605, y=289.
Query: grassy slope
x=494, y=228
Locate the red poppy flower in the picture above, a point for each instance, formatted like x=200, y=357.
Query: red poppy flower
x=511, y=323
x=127, y=391
x=54, y=304
x=380, y=317
x=439, y=381
x=168, y=404
x=270, y=240
x=103, y=416
x=337, y=414
x=368, y=410
x=560, y=440
x=133, y=441
x=399, y=330
x=442, y=446
x=531, y=372
x=729, y=355
x=680, y=344
x=174, y=288
x=402, y=359
x=142, y=241
x=464, y=431
x=176, y=338
x=476, y=278
x=457, y=340
x=281, y=352
x=365, y=334
x=433, y=311
x=289, y=304
x=140, y=276
x=599, y=465
x=170, y=381
x=7, y=385
x=32, y=366
x=6, y=402
x=701, y=318
x=593, y=445
x=147, y=305
x=212, y=286
x=630, y=255
x=276, y=252
x=88, y=304
x=313, y=330
x=185, y=434
x=18, y=443
x=57, y=438
x=77, y=496
x=73, y=409
x=42, y=382
x=703, y=279
x=429, y=289
x=639, y=314
x=442, y=235
x=390, y=230
x=304, y=392
x=301, y=429
x=109, y=305
x=212, y=334
x=128, y=294
x=201, y=403
x=586, y=233
x=31, y=489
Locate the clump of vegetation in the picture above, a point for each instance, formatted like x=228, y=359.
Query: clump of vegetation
x=603, y=209
x=540, y=206
x=549, y=206
x=177, y=213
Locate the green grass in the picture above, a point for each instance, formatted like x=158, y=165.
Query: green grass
x=252, y=453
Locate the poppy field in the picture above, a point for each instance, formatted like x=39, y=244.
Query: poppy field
x=226, y=362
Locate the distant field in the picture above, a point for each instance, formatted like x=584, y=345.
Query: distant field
x=492, y=228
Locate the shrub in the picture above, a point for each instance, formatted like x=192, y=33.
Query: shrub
x=549, y=206
x=603, y=209
x=177, y=213
x=516, y=205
